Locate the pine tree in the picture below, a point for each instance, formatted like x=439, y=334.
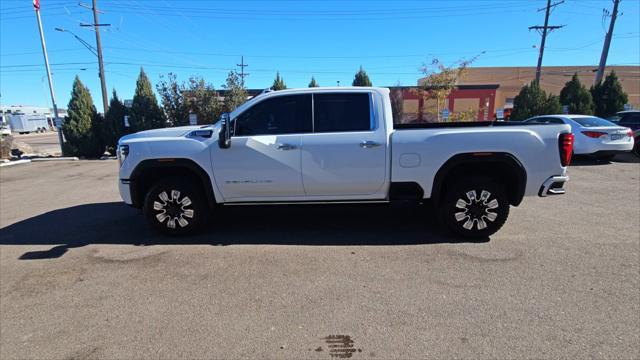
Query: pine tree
x=608, y=97
x=533, y=101
x=577, y=97
x=114, y=127
x=145, y=112
x=236, y=95
x=81, y=128
x=278, y=83
x=313, y=82
x=361, y=78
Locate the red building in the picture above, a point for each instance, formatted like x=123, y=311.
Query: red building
x=465, y=102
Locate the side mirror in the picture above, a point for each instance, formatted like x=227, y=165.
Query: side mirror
x=224, y=138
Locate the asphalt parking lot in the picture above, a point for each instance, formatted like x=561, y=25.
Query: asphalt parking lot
x=82, y=276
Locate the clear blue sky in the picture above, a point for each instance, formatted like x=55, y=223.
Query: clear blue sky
x=327, y=39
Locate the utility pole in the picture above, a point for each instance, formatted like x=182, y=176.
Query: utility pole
x=607, y=43
x=544, y=30
x=36, y=6
x=242, y=73
x=96, y=25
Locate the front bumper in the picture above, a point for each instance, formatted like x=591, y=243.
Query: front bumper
x=124, y=187
x=553, y=186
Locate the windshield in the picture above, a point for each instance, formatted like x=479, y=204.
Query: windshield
x=593, y=121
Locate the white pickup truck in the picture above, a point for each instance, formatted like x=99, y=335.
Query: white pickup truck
x=328, y=145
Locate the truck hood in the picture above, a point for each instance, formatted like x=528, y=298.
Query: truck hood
x=171, y=132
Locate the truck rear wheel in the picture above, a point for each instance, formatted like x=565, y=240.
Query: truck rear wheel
x=175, y=207
x=474, y=208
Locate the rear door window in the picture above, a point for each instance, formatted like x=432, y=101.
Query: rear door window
x=289, y=114
x=342, y=112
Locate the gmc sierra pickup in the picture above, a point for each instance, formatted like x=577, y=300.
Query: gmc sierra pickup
x=340, y=145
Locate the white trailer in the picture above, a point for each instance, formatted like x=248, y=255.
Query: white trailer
x=24, y=124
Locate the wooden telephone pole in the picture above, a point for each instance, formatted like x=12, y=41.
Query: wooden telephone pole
x=96, y=25
x=607, y=43
x=544, y=30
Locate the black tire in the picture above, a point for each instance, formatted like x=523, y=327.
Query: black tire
x=636, y=147
x=468, y=208
x=183, y=204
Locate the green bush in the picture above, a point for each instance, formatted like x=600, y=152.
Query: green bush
x=608, y=97
x=533, y=101
x=576, y=97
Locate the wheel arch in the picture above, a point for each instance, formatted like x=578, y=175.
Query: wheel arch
x=149, y=171
x=499, y=166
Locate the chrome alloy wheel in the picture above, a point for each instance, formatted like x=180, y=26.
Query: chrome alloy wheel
x=173, y=209
x=476, y=210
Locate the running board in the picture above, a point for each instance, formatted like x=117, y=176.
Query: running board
x=310, y=202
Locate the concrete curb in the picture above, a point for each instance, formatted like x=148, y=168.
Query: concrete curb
x=17, y=162
x=69, y=158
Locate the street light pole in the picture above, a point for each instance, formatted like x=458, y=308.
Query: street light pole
x=36, y=6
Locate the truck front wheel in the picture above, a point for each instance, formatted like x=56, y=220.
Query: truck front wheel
x=474, y=208
x=175, y=207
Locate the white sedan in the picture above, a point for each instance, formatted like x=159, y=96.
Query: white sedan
x=593, y=135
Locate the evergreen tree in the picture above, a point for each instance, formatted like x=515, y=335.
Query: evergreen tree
x=533, y=101
x=236, y=95
x=552, y=105
x=114, y=127
x=313, y=82
x=608, y=97
x=361, y=78
x=278, y=83
x=577, y=97
x=145, y=112
x=81, y=128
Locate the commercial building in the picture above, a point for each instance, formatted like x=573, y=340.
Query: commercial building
x=506, y=83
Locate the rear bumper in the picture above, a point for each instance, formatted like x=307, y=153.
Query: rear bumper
x=553, y=186
x=609, y=152
x=592, y=147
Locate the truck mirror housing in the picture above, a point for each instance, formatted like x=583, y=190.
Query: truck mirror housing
x=224, y=138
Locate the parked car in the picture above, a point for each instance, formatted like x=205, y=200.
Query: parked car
x=321, y=145
x=631, y=119
x=593, y=135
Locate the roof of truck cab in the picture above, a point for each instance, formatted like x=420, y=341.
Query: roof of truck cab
x=268, y=94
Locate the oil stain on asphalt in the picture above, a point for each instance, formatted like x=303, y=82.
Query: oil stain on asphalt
x=340, y=346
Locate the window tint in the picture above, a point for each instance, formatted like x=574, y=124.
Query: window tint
x=278, y=115
x=630, y=118
x=592, y=121
x=341, y=112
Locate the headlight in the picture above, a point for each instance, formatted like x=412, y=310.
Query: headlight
x=123, y=151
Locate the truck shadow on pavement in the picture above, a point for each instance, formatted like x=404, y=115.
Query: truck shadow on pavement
x=329, y=225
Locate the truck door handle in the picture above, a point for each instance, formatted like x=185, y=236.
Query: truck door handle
x=369, y=144
x=285, y=147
